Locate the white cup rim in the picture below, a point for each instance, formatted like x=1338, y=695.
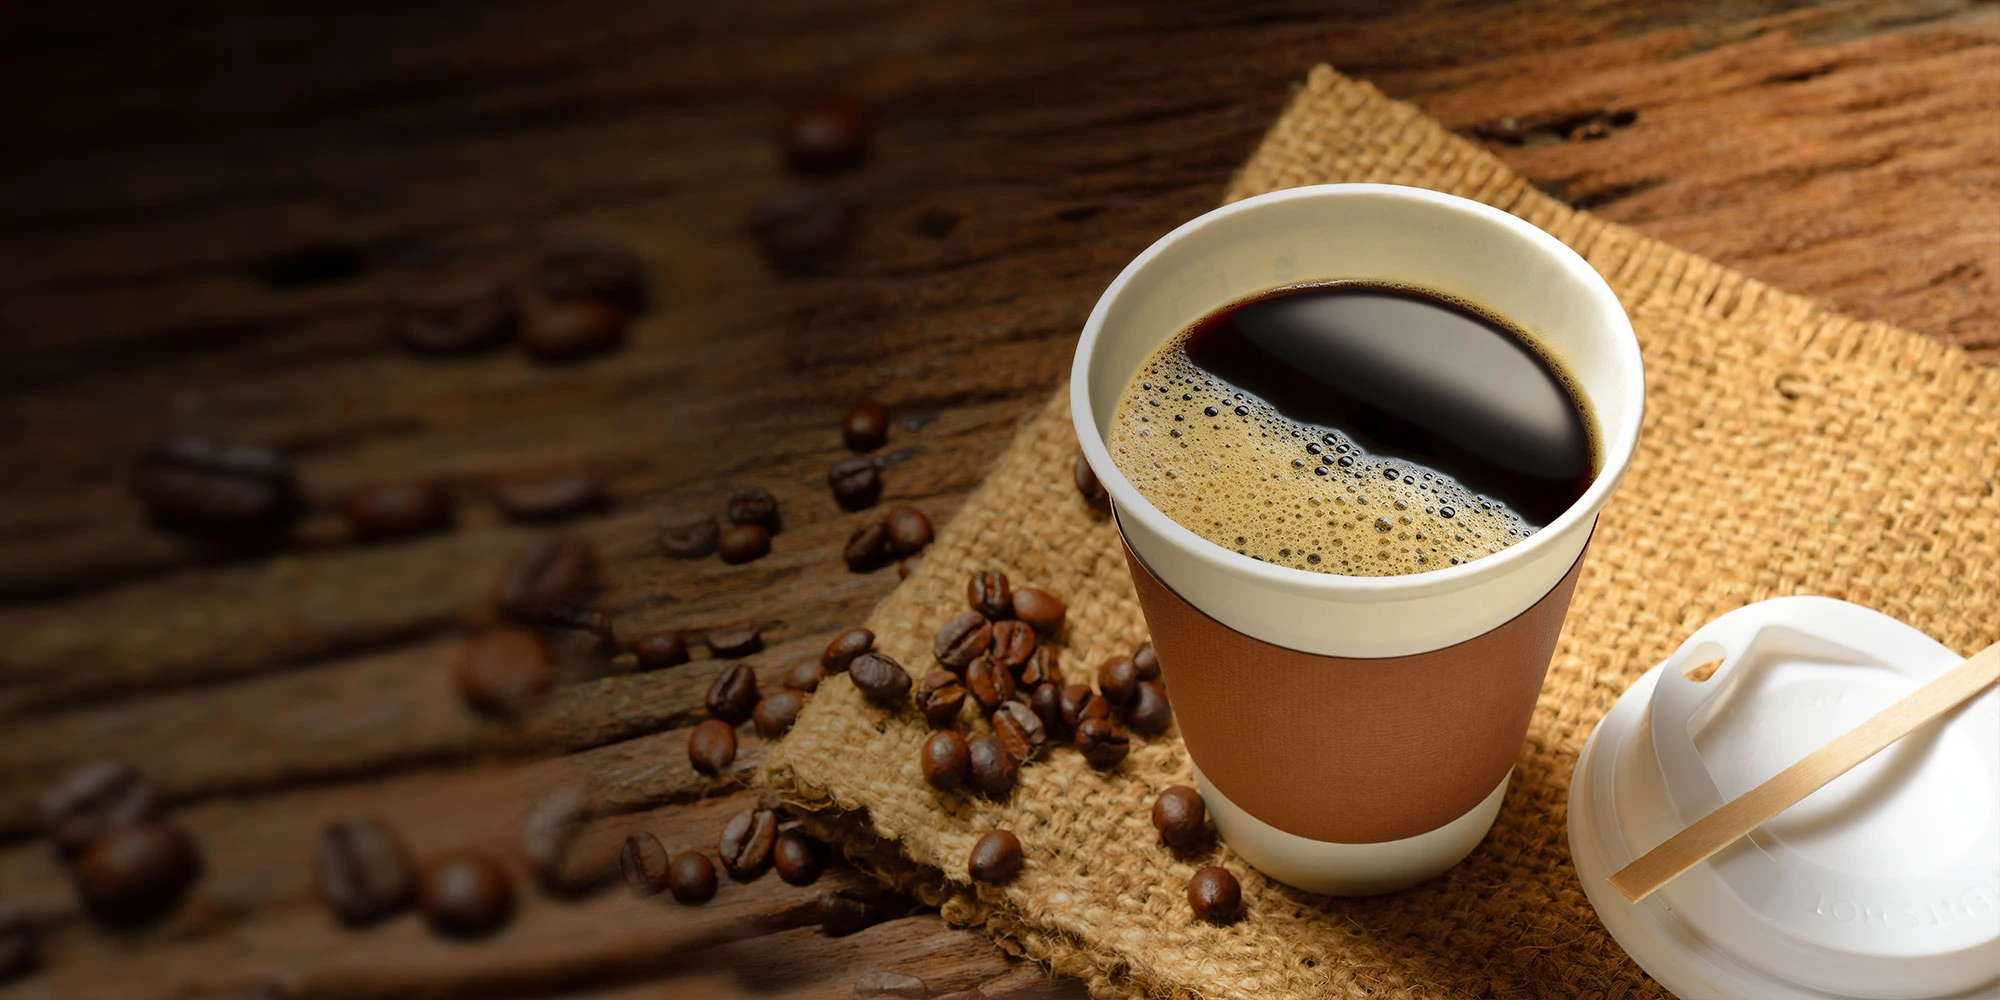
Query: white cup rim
x=1620, y=426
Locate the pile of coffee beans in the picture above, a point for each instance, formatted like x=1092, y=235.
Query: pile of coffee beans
x=753, y=520
x=130, y=867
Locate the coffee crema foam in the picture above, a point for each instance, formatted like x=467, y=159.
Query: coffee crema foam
x=1226, y=466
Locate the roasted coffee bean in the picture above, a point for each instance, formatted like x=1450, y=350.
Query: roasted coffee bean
x=798, y=858
x=866, y=427
x=550, y=839
x=804, y=677
x=644, y=864
x=454, y=315
x=1102, y=743
x=798, y=230
x=1046, y=700
x=946, y=760
x=754, y=505
x=1019, y=730
x=1179, y=815
x=889, y=986
x=939, y=696
x=907, y=565
x=1079, y=703
x=1087, y=484
x=465, y=893
x=94, y=798
x=1013, y=643
x=867, y=548
x=996, y=858
x=593, y=269
x=1214, y=895
x=845, y=647
x=1118, y=681
x=732, y=696
x=989, y=683
x=17, y=941
x=989, y=594
x=575, y=633
x=963, y=640
x=561, y=332
x=991, y=768
x=909, y=530
x=711, y=746
x=845, y=911
x=881, y=679
x=503, y=671
x=382, y=511
x=691, y=878
x=363, y=870
x=745, y=848
x=827, y=135
x=662, y=649
x=1149, y=712
x=1040, y=609
x=1042, y=667
x=549, y=494
x=688, y=534
x=241, y=494
x=856, y=483
x=134, y=874
x=776, y=713
x=558, y=572
x=741, y=543
x=1147, y=662
x=735, y=639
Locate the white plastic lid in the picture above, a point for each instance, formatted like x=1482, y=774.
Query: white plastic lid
x=1883, y=884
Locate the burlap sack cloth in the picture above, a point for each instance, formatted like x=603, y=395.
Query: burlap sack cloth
x=1787, y=450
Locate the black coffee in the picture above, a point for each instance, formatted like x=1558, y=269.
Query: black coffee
x=1355, y=428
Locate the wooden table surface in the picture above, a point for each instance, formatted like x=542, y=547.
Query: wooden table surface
x=207, y=205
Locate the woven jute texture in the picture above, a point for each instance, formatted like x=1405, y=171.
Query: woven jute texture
x=1786, y=450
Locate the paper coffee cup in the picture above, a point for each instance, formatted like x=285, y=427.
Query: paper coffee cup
x=1355, y=735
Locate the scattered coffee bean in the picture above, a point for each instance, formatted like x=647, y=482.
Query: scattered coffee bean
x=866, y=427
x=465, y=893
x=732, y=696
x=92, y=799
x=989, y=683
x=754, y=505
x=909, y=530
x=711, y=746
x=1215, y=896
x=454, y=315
x=17, y=941
x=946, y=759
x=573, y=633
x=550, y=494
x=989, y=594
x=1040, y=609
x=1149, y=712
x=845, y=647
x=996, y=858
x=745, y=848
x=889, y=985
x=867, y=548
x=856, y=483
x=908, y=565
x=644, y=863
x=1042, y=667
x=827, y=135
x=963, y=640
x=550, y=839
x=561, y=332
x=1079, y=703
x=363, y=870
x=804, y=677
x=1102, y=743
x=798, y=857
x=1019, y=730
x=1087, y=484
x=991, y=768
x=939, y=696
x=1147, y=662
x=1013, y=643
x=845, y=911
x=241, y=494
x=503, y=671
x=134, y=874
x=735, y=639
x=594, y=269
x=1118, y=680
x=1179, y=815
x=691, y=878
x=881, y=679
x=383, y=511
x=741, y=543
x=688, y=534
x=556, y=572
x=662, y=649
x=798, y=230
x=776, y=713
x=1046, y=700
